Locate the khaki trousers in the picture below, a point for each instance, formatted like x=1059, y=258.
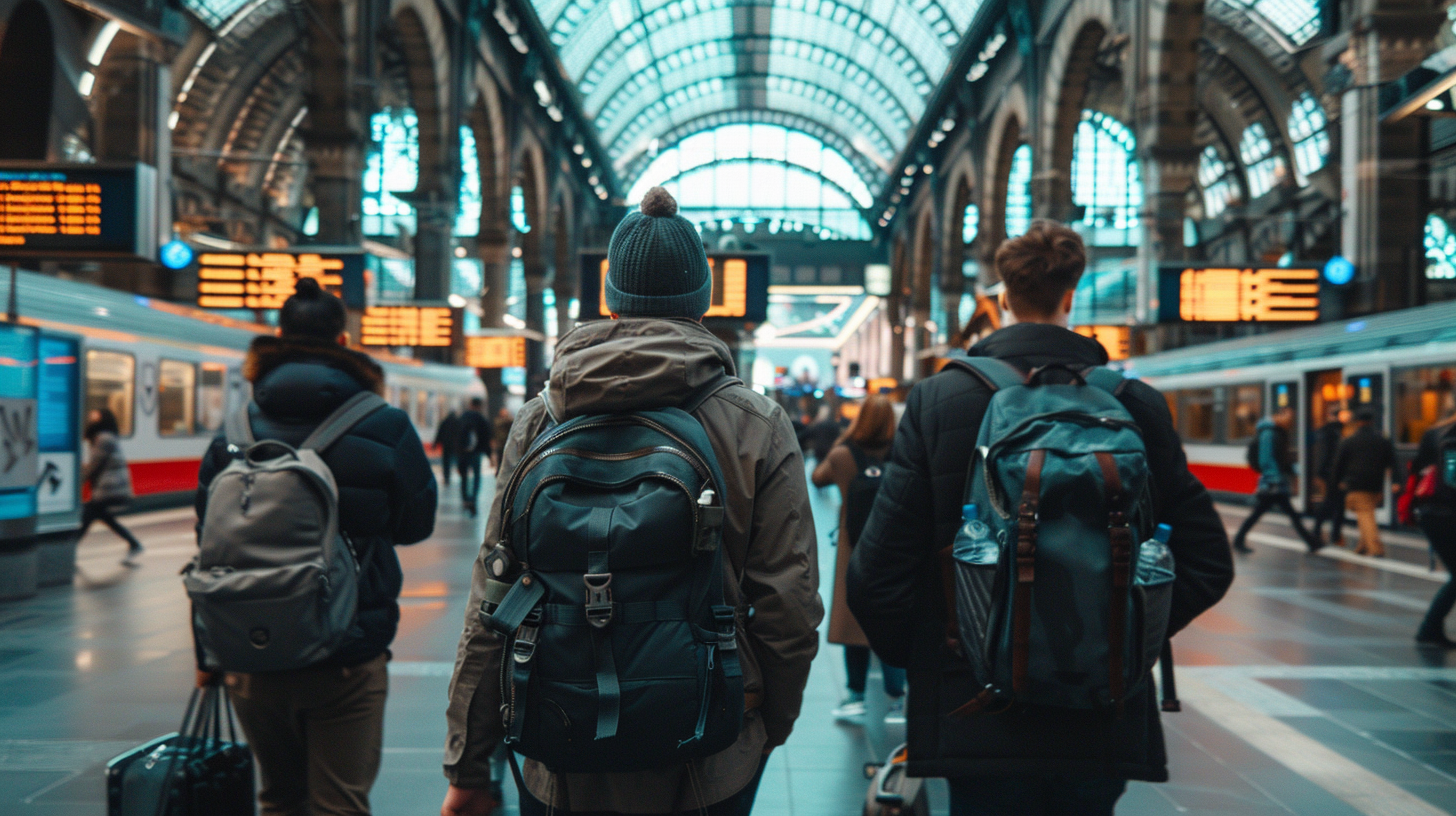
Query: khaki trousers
x=1363, y=505
x=317, y=735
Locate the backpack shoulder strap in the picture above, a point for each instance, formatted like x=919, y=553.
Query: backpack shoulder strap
x=342, y=419
x=238, y=428
x=696, y=399
x=995, y=374
x=1113, y=382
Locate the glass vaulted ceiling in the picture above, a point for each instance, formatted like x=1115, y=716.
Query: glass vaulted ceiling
x=854, y=73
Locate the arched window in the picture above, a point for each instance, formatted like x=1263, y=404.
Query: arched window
x=759, y=172
x=1299, y=20
x=1215, y=176
x=970, y=224
x=467, y=218
x=1105, y=179
x=1018, y=192
x=1307, y=128
x=518, y=210
x=391, y=166
x=1440, y=249
x=1262, y=166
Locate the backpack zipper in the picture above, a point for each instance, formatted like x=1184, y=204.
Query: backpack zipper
x=541, y=485
x=988, y=452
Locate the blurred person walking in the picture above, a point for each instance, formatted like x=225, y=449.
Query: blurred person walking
x=109, y=478
x=1429, y=500
x=501, y=433
x=855, y=465
x=1363, y=460
x=447, y=439
x=1327, y=445
x=475, y=436
x=1270, y=456
x=318, y=731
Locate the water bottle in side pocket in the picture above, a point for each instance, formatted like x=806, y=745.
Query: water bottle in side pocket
x=1153, y=578
x=977, y=555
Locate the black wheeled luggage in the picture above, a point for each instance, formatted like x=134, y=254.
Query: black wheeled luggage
x=197, y=771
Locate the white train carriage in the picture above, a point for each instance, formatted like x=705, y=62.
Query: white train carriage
x=1401, y=365
x=171, y=373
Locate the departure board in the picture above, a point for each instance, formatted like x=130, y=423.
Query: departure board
x=264, y=279
x=1239, y=295
x=740, y=286
x=77, y=210
x=1116, y=339
x=495, y=352
x=432, y=326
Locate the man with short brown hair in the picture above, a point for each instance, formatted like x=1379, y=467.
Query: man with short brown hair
x=1026, y=759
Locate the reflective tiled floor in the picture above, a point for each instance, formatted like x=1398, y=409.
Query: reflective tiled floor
x=1303, y=691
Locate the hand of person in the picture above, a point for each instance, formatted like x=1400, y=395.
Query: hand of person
x=205, y=679
x=468, y=802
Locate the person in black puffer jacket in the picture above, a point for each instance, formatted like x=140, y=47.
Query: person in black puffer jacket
x=318, y=732
x=1025, y=760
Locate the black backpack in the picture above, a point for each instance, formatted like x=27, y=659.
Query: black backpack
x=860, y=499
x=621, y=650
x=1251, y=452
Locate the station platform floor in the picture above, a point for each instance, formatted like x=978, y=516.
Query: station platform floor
x=1303, y=690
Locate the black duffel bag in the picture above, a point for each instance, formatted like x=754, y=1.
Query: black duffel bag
x=195, y=772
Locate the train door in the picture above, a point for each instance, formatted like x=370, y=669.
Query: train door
x=1365, y=391
x=1286, y=395
x=1326, y=391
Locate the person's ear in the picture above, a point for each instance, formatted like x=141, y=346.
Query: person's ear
x=1002, y=302
x=616, y=316
x=342, y=339
x=1067, y=301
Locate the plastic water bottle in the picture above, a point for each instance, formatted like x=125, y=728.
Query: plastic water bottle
x=974, y=543
x=1155, y=560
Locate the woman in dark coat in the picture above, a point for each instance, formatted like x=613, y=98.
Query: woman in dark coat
x=860, y=449
x=1436, y=516
x=109, y=478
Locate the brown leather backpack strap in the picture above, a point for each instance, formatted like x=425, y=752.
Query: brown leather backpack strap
x=1026, y=521
x=1120, y=538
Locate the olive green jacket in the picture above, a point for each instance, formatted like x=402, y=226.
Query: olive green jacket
x=771, y=565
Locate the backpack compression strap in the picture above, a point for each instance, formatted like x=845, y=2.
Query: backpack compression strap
x=1120, y=537
x=343, y=418
x=1026, y=520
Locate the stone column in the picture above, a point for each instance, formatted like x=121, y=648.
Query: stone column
x=434, y=250
x=538, y=272
x=332, y=137
x=494, y=250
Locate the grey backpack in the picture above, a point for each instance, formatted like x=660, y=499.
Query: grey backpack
x=274, y=585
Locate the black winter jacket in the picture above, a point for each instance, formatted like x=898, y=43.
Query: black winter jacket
x=1362, y=461
x=896, y=592
x=387, y=491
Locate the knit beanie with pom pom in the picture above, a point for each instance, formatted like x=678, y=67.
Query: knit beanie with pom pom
x=656, y=264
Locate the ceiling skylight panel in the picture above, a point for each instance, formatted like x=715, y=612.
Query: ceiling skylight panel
x=912, y=33
x=643, y=89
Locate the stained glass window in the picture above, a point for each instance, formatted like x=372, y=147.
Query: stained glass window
x=518, y=210
x=391, y=166
x=970, y=224
x=467, y=218
x=1105, y=179
x=1308, y=130
x=1262, y=166
x=1440, y=249
x=1018, y=192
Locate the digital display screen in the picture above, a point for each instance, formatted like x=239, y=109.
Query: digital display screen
x=1233, y=295
x=740, y=286
x=495, y=352
x=75, y=210
x=58, y=394
x=1116, y=339
x=407, y=326
x=263, y=280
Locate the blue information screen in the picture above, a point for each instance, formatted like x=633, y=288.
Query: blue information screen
x=59, y=380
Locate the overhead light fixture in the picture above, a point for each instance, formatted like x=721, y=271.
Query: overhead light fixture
x=586, y=161
x=578, y=148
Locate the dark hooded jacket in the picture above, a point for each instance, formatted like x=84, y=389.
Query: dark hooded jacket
x=387, y=491
x=896, y=586
x=770, y=561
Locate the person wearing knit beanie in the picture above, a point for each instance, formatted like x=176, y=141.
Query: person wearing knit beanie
x=656, y=266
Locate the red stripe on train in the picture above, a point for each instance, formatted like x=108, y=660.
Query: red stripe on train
x=1226, y=478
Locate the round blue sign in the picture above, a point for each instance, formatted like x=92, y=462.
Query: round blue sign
x=176, y=255
x=1339, y=271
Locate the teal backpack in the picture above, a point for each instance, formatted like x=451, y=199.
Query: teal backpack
x=1048, y=611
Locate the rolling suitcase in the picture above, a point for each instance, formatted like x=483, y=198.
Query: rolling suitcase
x=891, y=792
x=194, y=772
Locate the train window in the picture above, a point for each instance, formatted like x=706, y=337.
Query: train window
x=1171, y=397
x=211, y=396
x=111, y=383
x=403, y=399
x=1196, y=410
x=1245, y=409
x=176, y=390
x=442, y=407
x=421, y=406
x=1423, y=396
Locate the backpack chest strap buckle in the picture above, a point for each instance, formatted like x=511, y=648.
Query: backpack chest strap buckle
x=524, y=647
x=598, y=598
x=727, y=624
